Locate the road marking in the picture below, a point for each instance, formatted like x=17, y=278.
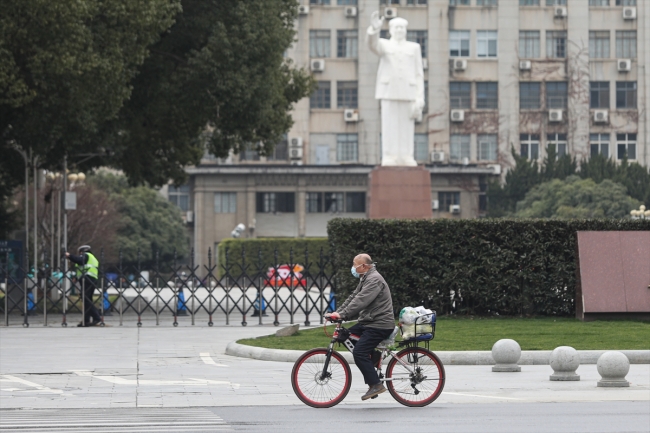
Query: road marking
x=151, y=382
x=484, y=396
x=205, y=356
x=36, y=386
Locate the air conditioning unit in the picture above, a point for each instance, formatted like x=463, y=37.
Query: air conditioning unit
x=189, y=216
x=460, y=64
x=554, y=115
x=350, y=11
x=624, y=65
x=317, y=65
x=629, y=13
x=560, y=12
x=390, y=13
x=425, y=63
x=295, y=152
x=454, y=209
x=303, y=10
x=495, y=167
x=457, y=115
x=437, y=156
x=525, y=65
x=296, y=162
x=435, y=204
x=351, y=115
x=600, y=116
x=295, y=142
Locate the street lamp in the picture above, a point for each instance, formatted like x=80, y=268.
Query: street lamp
x=238, y=230
x=640, y=214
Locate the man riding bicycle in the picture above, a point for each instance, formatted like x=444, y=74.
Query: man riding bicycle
x=371, y=302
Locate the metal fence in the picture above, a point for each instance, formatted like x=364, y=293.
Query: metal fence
x=289, y=292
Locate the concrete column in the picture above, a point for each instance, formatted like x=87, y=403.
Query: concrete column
x=643, y=85
x=200, y=223
x=250, y=205
x=578, y=77
x=301, y=206
x=438, y=76
x=508, y=68
x=369, y=126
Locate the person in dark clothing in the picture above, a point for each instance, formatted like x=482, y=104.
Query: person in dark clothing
x=372, y=303
x=87, y=267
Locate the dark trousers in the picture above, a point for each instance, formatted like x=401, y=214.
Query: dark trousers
x=369, y=339
x=88, y=285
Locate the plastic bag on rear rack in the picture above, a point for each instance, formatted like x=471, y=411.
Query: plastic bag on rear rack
x=390, y=341
x=416, y=321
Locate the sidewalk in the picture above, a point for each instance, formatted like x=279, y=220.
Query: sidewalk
x=54, y=367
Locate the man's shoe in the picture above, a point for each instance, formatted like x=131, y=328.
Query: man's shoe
x=81, y=325
x=374, y=391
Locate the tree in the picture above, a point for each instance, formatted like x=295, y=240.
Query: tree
x=502, y=199
x=554, y=167
x=217, y=81
x=576, y=198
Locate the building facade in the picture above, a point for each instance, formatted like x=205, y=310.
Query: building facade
x=499, y=75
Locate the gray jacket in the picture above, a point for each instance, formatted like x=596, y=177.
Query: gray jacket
x=370, y=302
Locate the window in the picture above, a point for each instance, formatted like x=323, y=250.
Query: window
x=225, y=202
x=599, y=44
x=626, y=94
x=426, y=97
x=459, y=147
x=529, y=96
x=626, y=44
x=598, y=2
x=319, y=2
x=556, y=94
x=529, y=146
x=355, y=202
x=459, y=43
x=419, y=36
x=271, y=202
x=346, y=2
x=528, y=2
x=416, y=2
x=486, y=2
x=346, y=94
x=599, y=94
x=459, y=2
x=385, y=2
x=599, y=144
x=626, y=145
x=487, y=147
x=529, y=44
x=556, y=44
x=250, y=153
x=555, y=2
x=421, y=147
x=487, y=95
x=384, y=34
x=333, y=202
x=347, y=43
x=625, y=2
x=321, y=98
x=446, y=199
x=346, y=147
x=460, y=94
x=486, y=43
x=319, y=43
x=314, y=202
x=280, y=151
x=558, y=141
x=180, y=196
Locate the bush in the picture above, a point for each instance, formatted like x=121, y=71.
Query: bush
x=484, y=267
x=259, y=254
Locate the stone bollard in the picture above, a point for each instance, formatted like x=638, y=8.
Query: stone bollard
x=613, y=366
x=564, y=361
x=506, y=354
x=288, y=331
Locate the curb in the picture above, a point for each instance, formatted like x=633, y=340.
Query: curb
x=478, y=357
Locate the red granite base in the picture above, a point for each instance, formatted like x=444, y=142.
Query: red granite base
x=400, y=192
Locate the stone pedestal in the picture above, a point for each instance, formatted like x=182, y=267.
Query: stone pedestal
x=400, y=192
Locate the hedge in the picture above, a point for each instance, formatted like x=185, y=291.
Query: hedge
x=260, y=254
x=482, y=267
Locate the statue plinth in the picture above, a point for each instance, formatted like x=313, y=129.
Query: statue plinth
x=400, y=192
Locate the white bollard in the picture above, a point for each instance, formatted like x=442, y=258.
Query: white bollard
x=612, y=367
x=506, y=354
x=564, y=361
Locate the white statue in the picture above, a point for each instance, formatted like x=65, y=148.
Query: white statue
x=400, y=87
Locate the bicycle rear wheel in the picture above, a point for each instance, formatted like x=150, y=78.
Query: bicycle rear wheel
x=319, y=392
x=419, y=384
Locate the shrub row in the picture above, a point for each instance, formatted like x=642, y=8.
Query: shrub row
x=482, y=267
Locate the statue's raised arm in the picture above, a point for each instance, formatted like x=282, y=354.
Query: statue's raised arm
x=372, y=36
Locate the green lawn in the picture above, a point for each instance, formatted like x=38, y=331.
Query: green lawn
x=482, y=333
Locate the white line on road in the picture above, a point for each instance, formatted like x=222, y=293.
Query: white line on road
x=151, y=382
x=36, y=386
x=483, y=396
x=205, y=356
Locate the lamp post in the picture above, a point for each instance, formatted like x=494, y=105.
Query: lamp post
x=640, y=214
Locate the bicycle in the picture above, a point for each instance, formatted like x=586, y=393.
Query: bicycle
x=415, y=376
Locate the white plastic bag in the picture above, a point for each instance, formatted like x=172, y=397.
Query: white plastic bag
x=390, y=341
x=425, y=314
x=408, y=315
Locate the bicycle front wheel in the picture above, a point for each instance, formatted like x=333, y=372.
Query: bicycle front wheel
x=316, y=390
x=415, y=377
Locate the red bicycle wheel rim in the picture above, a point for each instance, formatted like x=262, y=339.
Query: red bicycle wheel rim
x=435, y=393
x=300, y=365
